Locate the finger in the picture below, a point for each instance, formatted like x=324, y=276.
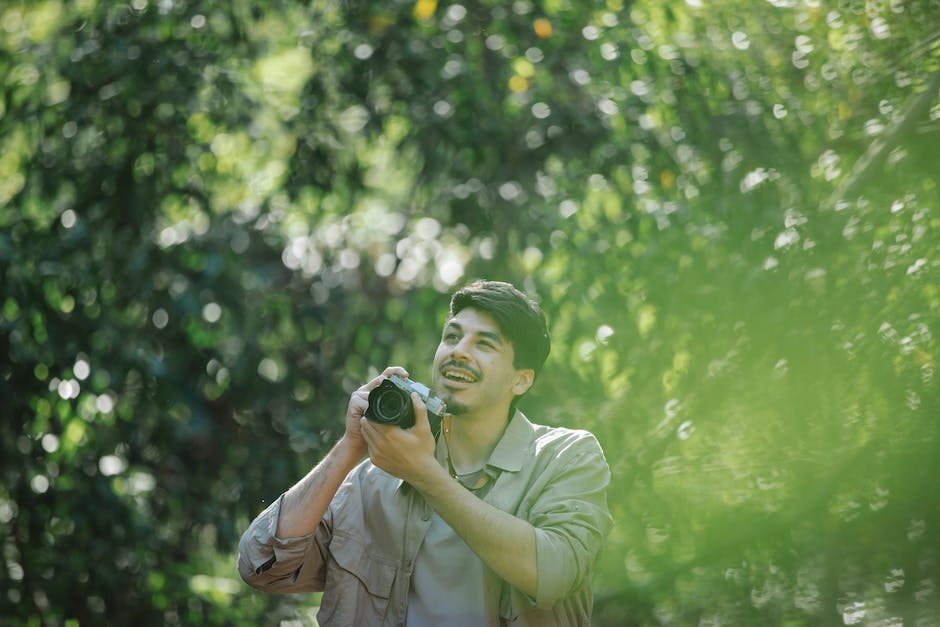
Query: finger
x=365, y=428
x=374, y=383
x=421, y=411
x=359, y=397
x=359, y=405
x=401, y=372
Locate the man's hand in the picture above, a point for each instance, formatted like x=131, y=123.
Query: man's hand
x=358, y=404
x=304, y=505
x=404, y=453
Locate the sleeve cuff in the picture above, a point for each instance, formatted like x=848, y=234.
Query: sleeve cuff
x=261, y=552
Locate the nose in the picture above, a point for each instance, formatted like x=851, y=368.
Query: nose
x=460, y=351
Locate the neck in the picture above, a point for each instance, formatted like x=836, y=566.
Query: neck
x=474, y=436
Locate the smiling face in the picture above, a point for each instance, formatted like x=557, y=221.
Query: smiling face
x=473, y=365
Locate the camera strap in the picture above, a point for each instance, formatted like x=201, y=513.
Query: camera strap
x=481, y=480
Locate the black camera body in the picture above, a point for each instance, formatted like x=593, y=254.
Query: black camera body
x=390, y=403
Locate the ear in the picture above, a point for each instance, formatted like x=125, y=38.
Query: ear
x=524, y=380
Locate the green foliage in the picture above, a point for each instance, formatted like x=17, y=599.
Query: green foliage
x=217, y=219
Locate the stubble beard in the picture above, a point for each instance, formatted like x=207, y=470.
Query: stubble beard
x=454, y=408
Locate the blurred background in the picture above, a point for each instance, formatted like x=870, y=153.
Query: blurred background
x=217, y=219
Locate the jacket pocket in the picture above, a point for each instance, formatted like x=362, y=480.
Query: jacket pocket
x=358, y=586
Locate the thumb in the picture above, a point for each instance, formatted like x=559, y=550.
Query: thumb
x=421, y=412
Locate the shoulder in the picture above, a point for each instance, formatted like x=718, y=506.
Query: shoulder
x=563, y=436
x=564, y=441
x=545, y=450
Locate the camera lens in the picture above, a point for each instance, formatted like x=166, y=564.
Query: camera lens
x=390, y=405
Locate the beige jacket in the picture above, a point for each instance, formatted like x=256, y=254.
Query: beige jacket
x=362, y=554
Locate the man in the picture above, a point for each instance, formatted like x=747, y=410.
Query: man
x=496, y=522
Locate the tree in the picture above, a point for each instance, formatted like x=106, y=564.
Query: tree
x=216, y=220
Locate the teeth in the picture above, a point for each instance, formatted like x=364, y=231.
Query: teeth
x=458, y=376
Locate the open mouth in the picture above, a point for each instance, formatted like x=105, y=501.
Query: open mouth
x=458, y=375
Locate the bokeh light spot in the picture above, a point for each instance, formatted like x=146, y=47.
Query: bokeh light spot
x=111, y=465
x=424, y=9
x=212, y=312
x=542, y=28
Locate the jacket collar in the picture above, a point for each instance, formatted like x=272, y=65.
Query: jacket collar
x=514, y=445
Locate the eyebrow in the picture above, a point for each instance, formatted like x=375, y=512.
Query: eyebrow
x=496, y=337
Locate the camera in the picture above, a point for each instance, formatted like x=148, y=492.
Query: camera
x=390, y=403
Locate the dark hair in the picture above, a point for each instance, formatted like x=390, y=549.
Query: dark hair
x=520, y=319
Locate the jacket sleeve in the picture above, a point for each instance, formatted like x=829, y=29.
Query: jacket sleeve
x=282, y=565
x=571, y=519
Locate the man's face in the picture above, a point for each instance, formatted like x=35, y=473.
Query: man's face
x=473, y=364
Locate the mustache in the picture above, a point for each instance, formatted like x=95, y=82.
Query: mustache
x=463, y=366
